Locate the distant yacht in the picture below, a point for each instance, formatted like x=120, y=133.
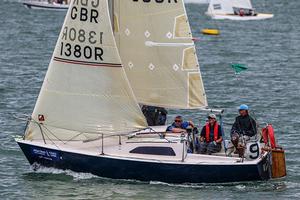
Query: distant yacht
x=47, y=5
x=234, y=10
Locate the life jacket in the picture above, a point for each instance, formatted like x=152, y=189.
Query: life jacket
x=207, y=131
x=242, y=12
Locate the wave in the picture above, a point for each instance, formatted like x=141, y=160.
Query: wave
x=77, y=176
x=239, y=186
x=38, y=169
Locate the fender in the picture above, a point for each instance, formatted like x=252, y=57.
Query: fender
x=269, y=136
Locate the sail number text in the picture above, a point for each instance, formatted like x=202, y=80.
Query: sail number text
x=78, y=51
x=82, y=36
x=84, y=14
x=73, y=47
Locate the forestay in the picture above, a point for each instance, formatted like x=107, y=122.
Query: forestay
x=226, y=6
x=155, y=44
x=85, y=90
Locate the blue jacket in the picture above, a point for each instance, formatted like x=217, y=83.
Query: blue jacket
x=184, y=125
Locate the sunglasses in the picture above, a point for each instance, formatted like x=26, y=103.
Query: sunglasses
x=178, y=120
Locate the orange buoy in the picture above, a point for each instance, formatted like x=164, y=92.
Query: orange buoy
x=268, y=136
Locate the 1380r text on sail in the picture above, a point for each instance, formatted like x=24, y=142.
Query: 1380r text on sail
x=87, y=52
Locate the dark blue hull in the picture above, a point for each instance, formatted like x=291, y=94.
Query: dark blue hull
x=146, y=171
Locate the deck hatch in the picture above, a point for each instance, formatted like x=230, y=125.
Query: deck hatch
x=162, y=151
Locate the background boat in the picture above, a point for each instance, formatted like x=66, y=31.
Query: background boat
x=45, y=5
x=235, y=10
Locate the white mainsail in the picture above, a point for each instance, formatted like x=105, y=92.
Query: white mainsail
x=85, y=91
x=156, y=47
x=227, y=6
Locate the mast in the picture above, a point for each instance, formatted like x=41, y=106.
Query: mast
x=111, y=9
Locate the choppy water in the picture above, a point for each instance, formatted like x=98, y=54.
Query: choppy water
x=271, y=86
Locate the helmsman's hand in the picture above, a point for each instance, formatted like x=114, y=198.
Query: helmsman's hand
x=191, y=124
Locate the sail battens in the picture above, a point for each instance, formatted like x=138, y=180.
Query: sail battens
x=161, y=44
x=95, y=64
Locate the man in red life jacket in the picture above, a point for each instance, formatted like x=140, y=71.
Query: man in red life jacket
x=242, y=12
x=211, y=136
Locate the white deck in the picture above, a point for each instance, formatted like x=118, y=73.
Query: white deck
x=112, y=149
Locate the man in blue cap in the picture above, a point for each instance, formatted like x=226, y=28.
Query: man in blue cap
x=244, y=124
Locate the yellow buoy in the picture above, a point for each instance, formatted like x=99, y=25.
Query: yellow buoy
x=210, y=31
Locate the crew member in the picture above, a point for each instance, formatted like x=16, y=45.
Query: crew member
x=242, y=12
x=244, y=124
x=211, y=136
x=179, y=126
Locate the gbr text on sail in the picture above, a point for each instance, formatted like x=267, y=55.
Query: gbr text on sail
x=82, y=38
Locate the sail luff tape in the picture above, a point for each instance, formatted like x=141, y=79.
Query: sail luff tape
x=157, y=44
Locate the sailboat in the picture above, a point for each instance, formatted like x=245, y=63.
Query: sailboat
x=234, y=10
x=110, y=57
x=46, y=5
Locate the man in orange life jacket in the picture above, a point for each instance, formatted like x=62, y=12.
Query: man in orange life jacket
x=211, y=136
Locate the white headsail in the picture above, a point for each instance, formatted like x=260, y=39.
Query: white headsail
x=85, y=90
x=227, y=6
x=156, y=47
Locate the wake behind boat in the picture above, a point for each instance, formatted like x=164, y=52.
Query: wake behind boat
x=110, y=57
x=46, y=5
x=234, y=10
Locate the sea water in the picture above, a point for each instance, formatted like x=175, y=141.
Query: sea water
x=270, y=86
